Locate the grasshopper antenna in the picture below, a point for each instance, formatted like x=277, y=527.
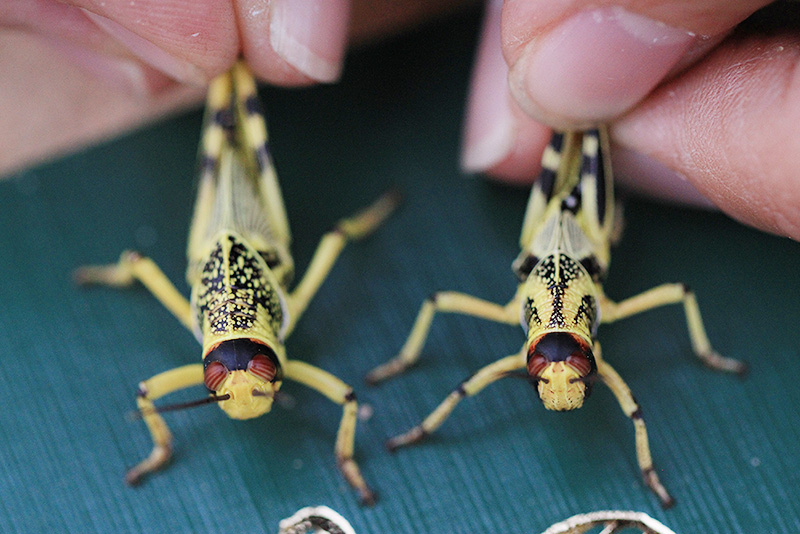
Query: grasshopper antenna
x=139, y=414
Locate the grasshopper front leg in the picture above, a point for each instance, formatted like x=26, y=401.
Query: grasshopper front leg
x=149, y=391
x=340, y=393
x=632, y=409
x=471, y=386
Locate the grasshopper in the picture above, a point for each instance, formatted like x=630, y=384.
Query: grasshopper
x=567, y=232
x=239, y=269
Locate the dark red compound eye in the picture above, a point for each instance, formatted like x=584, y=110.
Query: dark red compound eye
x=262, y=367
x=580, y=363
x=214, y=375
x=536, y=365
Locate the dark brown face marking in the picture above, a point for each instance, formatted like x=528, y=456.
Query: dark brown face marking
x=560, y=347
x=240, y=355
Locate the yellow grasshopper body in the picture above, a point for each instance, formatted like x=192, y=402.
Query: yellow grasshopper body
x=239, y=269
x=567, y=231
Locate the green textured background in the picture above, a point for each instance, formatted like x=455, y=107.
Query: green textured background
x=70, y=358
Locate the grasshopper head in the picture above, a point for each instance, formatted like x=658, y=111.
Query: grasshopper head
x=248, y=372
x=562, y=366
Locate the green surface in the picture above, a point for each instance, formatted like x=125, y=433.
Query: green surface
x=726, y=448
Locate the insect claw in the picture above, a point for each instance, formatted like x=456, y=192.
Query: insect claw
x=412, y=436
x=388, y=370
x=652, y=481
x=158, y=458
x=367, y=497
x=744, y=370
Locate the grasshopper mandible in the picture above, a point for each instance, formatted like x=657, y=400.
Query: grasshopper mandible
x=239, y=269
x=567, y=232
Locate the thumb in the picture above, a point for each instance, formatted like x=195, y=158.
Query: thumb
x=581, y=62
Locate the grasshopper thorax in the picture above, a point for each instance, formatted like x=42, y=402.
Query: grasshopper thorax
x=562, y=366
x=248, y=372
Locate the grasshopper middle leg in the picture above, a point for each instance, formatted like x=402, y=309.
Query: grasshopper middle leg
x=673, y=294
x=443, y=301
x=133, y=266
x=331, y=245
x=473, y=385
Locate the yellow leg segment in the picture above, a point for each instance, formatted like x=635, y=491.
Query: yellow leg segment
x=631, y=408
x=444, y=301
x=673, y=294
x=133, y=266
x=340, y=393
x=149, y=391
x=473, y=385
x=329, y=248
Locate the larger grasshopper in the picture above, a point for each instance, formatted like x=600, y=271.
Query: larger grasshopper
x=239, y=269
x=567, y=232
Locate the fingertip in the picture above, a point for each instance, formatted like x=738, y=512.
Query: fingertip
x=190, y=43
x=522, y=163
x=489, y=128
x=499, y=139
x=295, y=42
x=736, y=144
x=594, y=65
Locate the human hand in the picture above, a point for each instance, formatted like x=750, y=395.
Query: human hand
x=700, y=112
x=75, y=71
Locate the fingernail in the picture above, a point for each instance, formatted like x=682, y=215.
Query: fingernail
x=595, y=65
x=311, y=35
x=174, y=67
x=489, y=129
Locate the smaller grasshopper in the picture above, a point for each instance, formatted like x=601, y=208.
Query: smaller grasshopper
x=239, y=269
x=566, y=236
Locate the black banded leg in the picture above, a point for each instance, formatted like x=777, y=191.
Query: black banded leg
x=255, y=128
x=443, y=301
x=632, y=409
x=471, y=386
x=673, y=294
x=331, y=245
x=340, y=393
x=149, y=391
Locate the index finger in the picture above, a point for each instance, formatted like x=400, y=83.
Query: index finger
x=581, y=62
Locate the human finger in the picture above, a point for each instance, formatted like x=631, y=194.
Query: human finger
x=190, y=41
x=294, y=42
x=728, y=125
x=580, y=62
x=499, y=139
